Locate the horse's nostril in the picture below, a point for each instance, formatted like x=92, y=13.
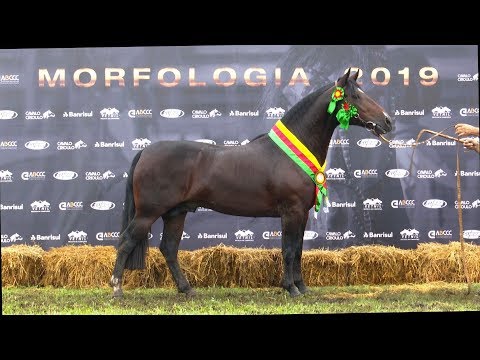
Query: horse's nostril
x=388, y=121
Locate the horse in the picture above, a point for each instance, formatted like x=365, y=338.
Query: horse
x=168, y=179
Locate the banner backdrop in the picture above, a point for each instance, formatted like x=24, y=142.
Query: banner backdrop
x=71, y=121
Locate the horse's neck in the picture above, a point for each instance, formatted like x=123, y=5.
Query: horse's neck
x=315, y=129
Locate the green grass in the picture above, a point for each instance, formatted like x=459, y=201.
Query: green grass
x=434, y=297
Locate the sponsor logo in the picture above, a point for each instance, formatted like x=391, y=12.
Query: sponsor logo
x=372, y=204
x=201, y=208
x=337, y=235
x=244, y=235
x=40, y=206
x=114, y=144
x=469, y=111
x=231, y=143
x=272, y=235
x=7, y=114
x=140, y=144
x=8, y=144
x=245, y=142
x=434, y=203
x=430, y=174
x=102, y=205
x=33, y=175
x=50, y=237
x=38, y=115
x=206, y=141
x=212, y=236
x=467, y=77
x=37, y=145
x=440, y=234
x=397, y=173
x=70, y=145
x=471, y=234
x=275, y=113
x=6, y=176
x=403, y=204
x=11, y=207
x=468, y=173
x=70, y=205
x=107, y=235
x=83, y=114
x=365, y=173
x=338, y=143
x=11, y=239
x=410, y=112
x=243, y=113
x=345, y=204
x=9, y=79
x=65, y=175
x=335, y=174
x=310, y=235
x=401, y=144
x=409, y=234
x=467, y=205
x=140, y=113
x=172, y=113
x=184, y=236
x=110, y=114
x=77, y=236
x=98, y=176
x=368, y=143
x=372, y=234
x=125, y=175
x=440, y=143
x=204, y=114
x=441, y=112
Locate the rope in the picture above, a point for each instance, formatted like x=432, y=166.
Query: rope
x=459, y=190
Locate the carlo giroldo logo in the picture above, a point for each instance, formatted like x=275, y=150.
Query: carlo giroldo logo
x=8, y=239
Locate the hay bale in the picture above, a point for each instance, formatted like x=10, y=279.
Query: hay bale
x=22, y=265
x=324, y=267
x=257, y=268
x=83, y=266
x=442, y=262
x=380, y=264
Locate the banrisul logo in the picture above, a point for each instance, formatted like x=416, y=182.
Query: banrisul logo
x=244, y=235
x=83, y=114
x=403, y=112
x=275, y=113
x=468, y=173
x=40, y=206
x=8, y=114
x=110, y=114
x=9, y=79
x=409, y=234
x=248, y=113
x=140, y=143
x=11, y=207
x=441, y=112
x=6, y=176
x=109, y=145
x=205, y=235
x=77, y=236
x=335, y=174
x=372, y=204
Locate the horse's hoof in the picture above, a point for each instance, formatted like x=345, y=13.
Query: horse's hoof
x=118, y=294
x=303, y=289
x=189, y=294
x=293, y=291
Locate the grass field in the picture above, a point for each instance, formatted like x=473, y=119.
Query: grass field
x=433, y=297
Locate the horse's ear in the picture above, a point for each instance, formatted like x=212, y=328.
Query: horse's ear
x=355, y=76
x=343, y=80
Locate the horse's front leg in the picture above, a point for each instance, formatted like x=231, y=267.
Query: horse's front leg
x=297, y=258
x=292, y=233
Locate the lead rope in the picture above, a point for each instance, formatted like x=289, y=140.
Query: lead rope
x=459, y=191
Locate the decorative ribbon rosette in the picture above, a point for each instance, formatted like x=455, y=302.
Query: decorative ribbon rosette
x=346, y=112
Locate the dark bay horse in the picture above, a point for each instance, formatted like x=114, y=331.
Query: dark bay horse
x=168, y=179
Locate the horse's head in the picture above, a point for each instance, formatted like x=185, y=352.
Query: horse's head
x=357, y=108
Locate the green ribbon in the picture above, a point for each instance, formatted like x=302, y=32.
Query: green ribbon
x=322, y=192
x=346, y=112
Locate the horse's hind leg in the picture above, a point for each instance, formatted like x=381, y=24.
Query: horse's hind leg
x=297, y=259
x=135, y=232
x=172, y=234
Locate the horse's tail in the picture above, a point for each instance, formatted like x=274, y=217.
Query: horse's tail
x=136, y=259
